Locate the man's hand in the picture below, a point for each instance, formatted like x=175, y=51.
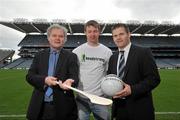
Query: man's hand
x=50, y=81
x=123, y=93
x=68, y=82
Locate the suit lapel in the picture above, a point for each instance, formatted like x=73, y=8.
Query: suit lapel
x=46, y=61
x=129, y=60
x=116, y=61
x=60, y=60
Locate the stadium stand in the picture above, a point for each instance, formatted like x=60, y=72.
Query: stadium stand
x=34, y=41
x=14, y=63
x=20, y=63
x=25, y=64
x=168, y=63
x=5, y=57
x=161, y=37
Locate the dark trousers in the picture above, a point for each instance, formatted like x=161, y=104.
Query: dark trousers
x=119, y=110
x=48, y=111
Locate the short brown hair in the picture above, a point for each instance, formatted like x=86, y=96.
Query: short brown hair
x=92, y=23
x=120, y=25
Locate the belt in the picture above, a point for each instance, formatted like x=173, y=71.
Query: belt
x=49, y=103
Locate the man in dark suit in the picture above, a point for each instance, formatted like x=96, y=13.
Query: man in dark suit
x=136, y=67
x=49, y=100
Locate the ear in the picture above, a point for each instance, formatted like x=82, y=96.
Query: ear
x=48, y=39
x=129, y=34
x=85, y=32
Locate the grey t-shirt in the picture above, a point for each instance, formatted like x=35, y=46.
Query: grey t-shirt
x=93, y=66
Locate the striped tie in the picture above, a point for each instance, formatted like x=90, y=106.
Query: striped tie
x=121, y=65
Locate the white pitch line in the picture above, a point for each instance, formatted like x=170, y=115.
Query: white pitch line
x=23, y=115
x=12, y=116
x=167, y=113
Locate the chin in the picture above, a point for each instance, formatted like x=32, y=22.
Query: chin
x=57, y=47
x=121, y=47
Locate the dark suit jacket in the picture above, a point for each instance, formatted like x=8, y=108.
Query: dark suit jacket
x=64, y=102
x=142, y=75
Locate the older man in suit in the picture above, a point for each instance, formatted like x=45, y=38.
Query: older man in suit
x=49, y=100
x=136, y=67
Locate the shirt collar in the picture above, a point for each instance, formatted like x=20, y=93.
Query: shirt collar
x=126, y=48
x=53, y=50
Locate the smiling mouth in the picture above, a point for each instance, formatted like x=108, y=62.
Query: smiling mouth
x=119, y=41
x=92, y=38
x=57, y=42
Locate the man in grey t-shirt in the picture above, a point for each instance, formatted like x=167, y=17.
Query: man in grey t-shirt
x=93, y=59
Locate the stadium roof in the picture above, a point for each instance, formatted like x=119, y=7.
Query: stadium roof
x=77, y=26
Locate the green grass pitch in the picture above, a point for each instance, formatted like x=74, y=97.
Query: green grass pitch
x=15, y=93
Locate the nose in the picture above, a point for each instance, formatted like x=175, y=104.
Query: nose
x=57, y=37
x=118, y=37
x=92, y=34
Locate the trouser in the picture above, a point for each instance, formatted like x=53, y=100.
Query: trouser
x=85, y=108
x=119, y=110
x=48, y=111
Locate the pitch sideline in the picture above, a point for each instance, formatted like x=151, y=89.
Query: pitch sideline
x=23, y=115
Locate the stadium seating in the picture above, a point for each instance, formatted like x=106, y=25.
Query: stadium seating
x=162, y=38
x=5, y=56
x=34, y=41
x=19, y=64
x=165, y=49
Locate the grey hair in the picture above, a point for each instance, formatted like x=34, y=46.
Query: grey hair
x=57, y=26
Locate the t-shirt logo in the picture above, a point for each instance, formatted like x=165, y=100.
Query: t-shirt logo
x=83, y=58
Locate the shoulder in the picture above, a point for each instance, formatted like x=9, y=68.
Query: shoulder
x=105, y=48
x=116, y=53
x=67, y=53
x=79, y=48
x=141, y=51
x=140, y=48
x=42, y=52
